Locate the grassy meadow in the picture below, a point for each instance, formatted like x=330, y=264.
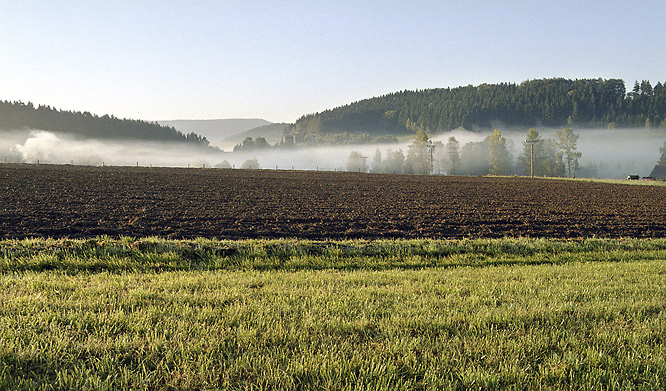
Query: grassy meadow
x=358, y=315
x=617, y=181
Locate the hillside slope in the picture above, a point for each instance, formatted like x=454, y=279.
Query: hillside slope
x=19, y=116
x=272, y=133
x=543, y=102
x=217, y=131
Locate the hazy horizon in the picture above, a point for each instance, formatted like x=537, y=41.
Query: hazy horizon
x=614, y=153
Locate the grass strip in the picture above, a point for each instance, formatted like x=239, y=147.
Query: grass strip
x=105, y=254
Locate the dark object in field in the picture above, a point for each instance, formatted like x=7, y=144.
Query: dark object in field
x=75, y=201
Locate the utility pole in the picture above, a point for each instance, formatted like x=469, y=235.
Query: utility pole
x=364, y=159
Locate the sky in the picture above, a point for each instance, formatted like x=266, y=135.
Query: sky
x=278, y=60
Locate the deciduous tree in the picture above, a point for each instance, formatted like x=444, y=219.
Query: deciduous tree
x=453, y=154
x=418, y=157
x=356, y=162
x=498, y=155
x=552, y=164
x=566, y=141
x=223, y=164
x=393, y=162
x=377, y=163
x=250, y=164
x=474, y=158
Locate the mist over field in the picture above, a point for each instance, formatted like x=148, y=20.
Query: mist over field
x=609, y=153
x=614, y=153
x=61, y=148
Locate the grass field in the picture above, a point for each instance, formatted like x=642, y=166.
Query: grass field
x=291, y=314
x=617, y=181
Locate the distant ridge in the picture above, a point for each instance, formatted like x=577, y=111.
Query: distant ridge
x=272, y=133
x=216, y=130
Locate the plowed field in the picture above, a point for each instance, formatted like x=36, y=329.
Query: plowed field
x=71, y=201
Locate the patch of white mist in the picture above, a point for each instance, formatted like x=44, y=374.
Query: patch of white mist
x=612, y=153
x=333, y=157
x=60, y=148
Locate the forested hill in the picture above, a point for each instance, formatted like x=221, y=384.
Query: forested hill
x=19, y=115
x=542, y=102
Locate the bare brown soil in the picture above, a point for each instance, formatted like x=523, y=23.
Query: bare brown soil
x=70, y=201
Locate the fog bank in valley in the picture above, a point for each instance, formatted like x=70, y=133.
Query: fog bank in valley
x=612, y=153
x=605, y=153
x=608, y=153
x=61, y=148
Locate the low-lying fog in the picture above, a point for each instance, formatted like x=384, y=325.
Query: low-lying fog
x=58, y=148
x=613, y=153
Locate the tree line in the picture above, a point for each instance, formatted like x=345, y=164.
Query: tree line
x=553, y=102
x=19, y=115
x=556, y=157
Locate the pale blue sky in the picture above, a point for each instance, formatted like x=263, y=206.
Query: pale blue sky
x=278, y=60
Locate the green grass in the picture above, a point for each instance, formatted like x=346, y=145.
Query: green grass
x=616, y=181
x=159, y=255
x=422, y=314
